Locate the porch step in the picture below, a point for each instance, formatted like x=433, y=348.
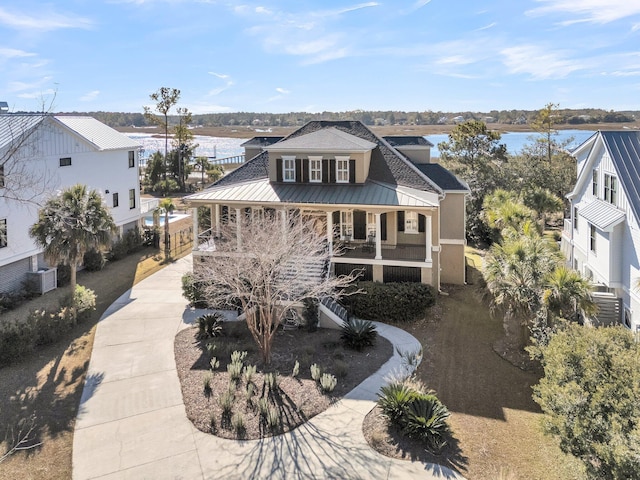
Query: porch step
x=609, y=309
x=305, y=270
x=335, y=308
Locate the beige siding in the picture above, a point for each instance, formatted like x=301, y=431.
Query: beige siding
x=452, y=268
x=453, y=211
x=363, y=161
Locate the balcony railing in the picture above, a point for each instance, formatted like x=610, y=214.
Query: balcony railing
x=567, y=227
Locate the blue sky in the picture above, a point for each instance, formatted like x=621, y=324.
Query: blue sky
x=301, y=55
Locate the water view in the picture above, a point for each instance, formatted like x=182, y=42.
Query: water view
x=221, y=147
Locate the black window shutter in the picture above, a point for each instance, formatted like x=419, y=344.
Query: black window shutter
x=401, y=221
x=421, y=222
x=359, y=225
x=332, y=170
x=298, y=170
x=325, y=170
x=352, y=171
x=305, y=170
x=224, y=214
x=336, y=221
x=383, y=227
x=279, y=169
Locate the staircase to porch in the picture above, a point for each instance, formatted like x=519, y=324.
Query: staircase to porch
x=609, y=308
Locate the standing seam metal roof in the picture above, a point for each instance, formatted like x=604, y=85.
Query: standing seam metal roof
x=624, y=149
x=99, y=134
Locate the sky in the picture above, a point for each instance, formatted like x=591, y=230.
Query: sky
x=332, y=55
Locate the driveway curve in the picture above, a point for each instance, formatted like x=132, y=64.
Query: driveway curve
x=132, y=424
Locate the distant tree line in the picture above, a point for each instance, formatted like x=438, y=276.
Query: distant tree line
x=375, y=117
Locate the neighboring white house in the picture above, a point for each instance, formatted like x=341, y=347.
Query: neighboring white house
x=602, y=238
x=49, y=153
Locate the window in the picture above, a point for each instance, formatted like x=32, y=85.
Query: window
x=594, y=183
x=132, y=198
x=65, y=162
x=1, y=176
x=342, y=169
x=3, y=232
x=371, y=223
x=346, y=225
x=410, y=222
x=116, y=201
x=315, y=169
x=575, y=218
x=610, y=188
x=132, y=159
x=289, y=169
x=592, y=238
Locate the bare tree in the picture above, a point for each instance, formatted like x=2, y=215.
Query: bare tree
x=165, y=99
x=20, y=438
x=267, y=264
x=21, y=179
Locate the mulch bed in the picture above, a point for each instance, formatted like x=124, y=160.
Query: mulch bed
x=296, y=400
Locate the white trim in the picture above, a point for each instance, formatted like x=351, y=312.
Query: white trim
x=344, y=171
x=315, y=158
x=288, y=174
x=453, y=241
x=411, y=225
x=387, y=262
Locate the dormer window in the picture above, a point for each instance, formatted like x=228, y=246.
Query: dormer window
x=289, y=169
x=315, y=169
x=342, y=169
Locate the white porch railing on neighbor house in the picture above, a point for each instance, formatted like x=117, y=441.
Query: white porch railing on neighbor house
x=567, y=227
x=148, y=205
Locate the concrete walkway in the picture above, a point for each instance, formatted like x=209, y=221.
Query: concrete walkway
x=132, y=423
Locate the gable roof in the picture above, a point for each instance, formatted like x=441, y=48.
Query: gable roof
x=261, y=141
x=387, y=164
x=100, y=135
x=327, y=140
x=14, y=126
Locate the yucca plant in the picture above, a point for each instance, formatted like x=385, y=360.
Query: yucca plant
x=210, y=325
x=296, y=369
x=263, y=407
x=237, y=422
x=248, y=372
x=316, y=372
x=234, y=370
x=273, y=419
x=226, y=402
x=426, y=420
x=238, y=357
x=358, y=334
x=393, y=400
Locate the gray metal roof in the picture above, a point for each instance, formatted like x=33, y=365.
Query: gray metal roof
x=327, y=139
x=15, y=126
x=602, y=214
x=99, y=134
x=624, y=150
x=442, y=177
x=263, y=192
x=261, y=141
x=407, y=141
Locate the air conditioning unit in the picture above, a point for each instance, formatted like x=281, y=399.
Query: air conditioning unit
x=44, y=280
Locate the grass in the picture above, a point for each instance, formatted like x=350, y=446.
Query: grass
x=48, y=383
x=494, y=420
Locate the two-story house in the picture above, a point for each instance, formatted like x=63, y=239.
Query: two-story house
x=42, y=154
x=402, y=217
x=601, y=239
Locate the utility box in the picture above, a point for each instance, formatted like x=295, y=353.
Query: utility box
x=44, y=280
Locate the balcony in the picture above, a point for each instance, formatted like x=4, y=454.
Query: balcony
x=364, y=251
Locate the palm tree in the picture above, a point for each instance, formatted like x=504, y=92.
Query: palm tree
x=542, y=201
x=515, y=273
x=167, y=207
x=568, y=293
x=70, y=224
x=504, y=211
x=203, y=164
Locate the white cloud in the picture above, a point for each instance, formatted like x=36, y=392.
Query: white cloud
x=19, y=86
x=487, y=27
x=592, y=11
x=283, y=91
x=538, y=62
x=87, y=97
x=38, y=95
x=421, y=3
x=14, y=53
x=228, y=83
x=47, y=20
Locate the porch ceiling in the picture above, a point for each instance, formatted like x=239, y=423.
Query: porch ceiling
x=263, y=192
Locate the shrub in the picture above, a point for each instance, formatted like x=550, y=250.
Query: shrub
x=192, y=291
x=133, y=240
x=395, y=302
x=210, y=325
x=84, y=300
x=393, y=400
x=234, y=369
x=426, y=420
x=310, y=313
x=16, y=339
x=238, y=357
x=296, y=369
x=272, y=381
x=263, y=407
x=214, y=363
x=358, y=334
x=94, y=260
x=247, y=373
x=273, y=419
x=328, y=382
x=10, y=300
x=341, y=368
x=237, y=422
x=118, y=250
x=316, y=372
x=226, y=402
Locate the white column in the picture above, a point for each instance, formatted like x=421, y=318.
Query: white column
x=216, y=211
x=378, y=238
x=238, y=228
x=194, y=215
x=427, y=235
x=283, y=214
x=330, y=232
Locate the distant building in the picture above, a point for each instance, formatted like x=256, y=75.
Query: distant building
x=59, y=151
